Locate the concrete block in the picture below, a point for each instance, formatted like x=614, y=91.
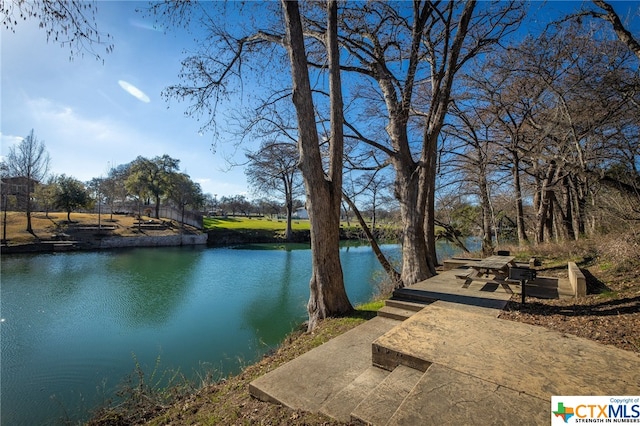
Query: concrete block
x=577, y=280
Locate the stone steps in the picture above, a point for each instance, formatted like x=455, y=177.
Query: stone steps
x=400, y=310
x=445, y=396
x=384, y=400
x=311, y=381
x=449, y=362
x=531, y=360
x=340, y=405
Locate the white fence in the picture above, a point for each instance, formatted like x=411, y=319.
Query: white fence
x=190, y=217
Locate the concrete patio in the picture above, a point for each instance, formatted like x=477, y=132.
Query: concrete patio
x=438, y=354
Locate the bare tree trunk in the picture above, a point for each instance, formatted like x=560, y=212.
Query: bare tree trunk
x=485, y=202
x=386, y=265
x=28, y=210
x=157, y=207
x=288, y=232
x=328, y=296
x=430, y=210
x=408, y=187
x=288, y=195
x=623, y=33
x=579, y=191
x=549, y=224
x=544, y=206
x=522, y=233
x=441, y=88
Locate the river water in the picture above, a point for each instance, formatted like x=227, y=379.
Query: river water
x=74, y=325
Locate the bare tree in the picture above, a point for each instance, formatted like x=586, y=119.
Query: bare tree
x=411, y=54
x=274, y=168
x=70, y=23
x=621, y=31
x=560, y=111
x=208, y=80
x=374, y=185
x=473, y=161
x=324, y=191
x=588, y=104
x=29, y=160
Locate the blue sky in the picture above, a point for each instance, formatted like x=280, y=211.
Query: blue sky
x=93, y=115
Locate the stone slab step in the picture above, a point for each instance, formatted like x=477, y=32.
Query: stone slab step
x=405, y=304
x=399, y=314
x=444, y=287
x=310, y=380
x=378, y=407
x=526, y=358
x=340, y=405
x=445, y=396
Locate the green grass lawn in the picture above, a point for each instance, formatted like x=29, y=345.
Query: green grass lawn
x=245, y=223
x=269, y=225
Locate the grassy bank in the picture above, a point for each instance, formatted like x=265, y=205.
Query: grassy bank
x=46, y=226
x=253, y=224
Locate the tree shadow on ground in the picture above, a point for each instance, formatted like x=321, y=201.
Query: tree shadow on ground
x=624, y=306
x=594, y=284
x=362, y=314
x=219, y=220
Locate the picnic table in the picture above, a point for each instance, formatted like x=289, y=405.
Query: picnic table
x=496, y=266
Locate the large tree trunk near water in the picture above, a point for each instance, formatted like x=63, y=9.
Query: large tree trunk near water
x=522, y=233
x=328, y=296
x=409, y=188
x=430, y=207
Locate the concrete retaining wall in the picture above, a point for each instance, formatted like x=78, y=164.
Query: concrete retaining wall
x=577, y=280
x=164, y=241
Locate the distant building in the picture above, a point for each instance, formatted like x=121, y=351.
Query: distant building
x=301, y=213
x=17, y=187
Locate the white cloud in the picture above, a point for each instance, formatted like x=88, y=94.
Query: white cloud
x=9, y=140
x=84, y=147
x=134, y=91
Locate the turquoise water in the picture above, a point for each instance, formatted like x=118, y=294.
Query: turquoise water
x=73, y=325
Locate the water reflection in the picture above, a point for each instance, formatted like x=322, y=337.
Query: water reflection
x=151, y=285
x=274, y=311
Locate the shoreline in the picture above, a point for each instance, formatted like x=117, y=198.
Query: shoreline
x=106, y=243
x=210, y=238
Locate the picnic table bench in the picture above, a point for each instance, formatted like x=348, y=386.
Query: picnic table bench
x=497, y=266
